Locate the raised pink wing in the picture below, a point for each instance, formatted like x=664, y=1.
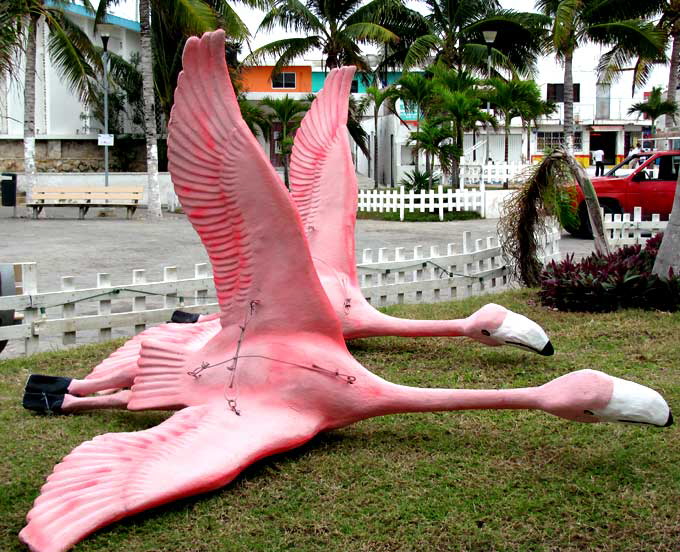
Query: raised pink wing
x=322, y=178
x=119, y=474
x=236, y=203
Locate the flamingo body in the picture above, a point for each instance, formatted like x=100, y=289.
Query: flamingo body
x=276, y=370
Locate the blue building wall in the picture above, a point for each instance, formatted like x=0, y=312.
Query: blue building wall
x=318, y=78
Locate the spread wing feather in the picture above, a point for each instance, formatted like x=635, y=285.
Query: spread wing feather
x=119, y=474
x=236, y=202
x=323, y=182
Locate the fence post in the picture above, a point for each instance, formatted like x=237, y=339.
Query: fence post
x=139, y=303
x=29, y=279
x=440, y=197
x=201, y=271
x=170, y=275
x=68, y=309
x=482, y=198
x=104, y=308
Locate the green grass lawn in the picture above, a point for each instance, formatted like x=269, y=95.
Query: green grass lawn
x=418, y=216
x=445, y=481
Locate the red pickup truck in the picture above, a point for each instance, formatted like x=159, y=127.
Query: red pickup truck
x=646, y=180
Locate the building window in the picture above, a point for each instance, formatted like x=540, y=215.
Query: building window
x=284, y=80
x=355, y=87
x=556, y=92
x=602, y=96
x=550, y=140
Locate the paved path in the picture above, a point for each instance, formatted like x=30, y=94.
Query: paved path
x=62, y=245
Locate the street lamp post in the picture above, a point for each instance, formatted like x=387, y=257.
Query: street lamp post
x=489, y=37
x=105, y=33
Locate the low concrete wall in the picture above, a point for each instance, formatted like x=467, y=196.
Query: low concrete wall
x=81, y=155
x=493, y=199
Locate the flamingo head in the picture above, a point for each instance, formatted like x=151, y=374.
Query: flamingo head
x=593, y=396
x=495, y=325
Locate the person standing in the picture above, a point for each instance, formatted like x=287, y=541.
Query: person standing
x=598, y=157
x=635, y=161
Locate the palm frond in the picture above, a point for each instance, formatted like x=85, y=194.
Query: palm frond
x=285, y=50
x=193, y=16
x=230, y=21
x=420, y=51
x=291, y=15
x=370, y=32
x=11, y=40
x=634, y=37
x=72, y=53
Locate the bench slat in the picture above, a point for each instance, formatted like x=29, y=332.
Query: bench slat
x=88, y=197
x=87, y=188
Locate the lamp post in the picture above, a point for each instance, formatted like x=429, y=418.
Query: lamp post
x=489, y=37
x=105, y=33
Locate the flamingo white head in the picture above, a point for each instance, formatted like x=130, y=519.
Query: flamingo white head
x=495, y=325
x=635, y=404
x=593, y=396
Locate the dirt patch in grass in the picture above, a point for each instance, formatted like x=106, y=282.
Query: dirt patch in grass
x=443, y=481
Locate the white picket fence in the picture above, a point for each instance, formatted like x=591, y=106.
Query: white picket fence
x=623, y=230
x=400, y=200
x=92, y=314
x=429, y=277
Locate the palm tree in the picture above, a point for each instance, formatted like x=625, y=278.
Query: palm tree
x=509, y=98
x=255, y=117
x=416, y=90
x=463, y=109
x=457, y=97
x=604, y=22
x=454, y=36
x=377, y=97
x=532, y=110
x=436, y=138
x=655, y=107
x=288, y=112
x=338, y=29
x=70, y=51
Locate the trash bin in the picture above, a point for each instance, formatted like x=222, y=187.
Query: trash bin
x=8, y=189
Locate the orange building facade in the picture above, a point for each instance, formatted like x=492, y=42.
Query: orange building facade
x=294, y=78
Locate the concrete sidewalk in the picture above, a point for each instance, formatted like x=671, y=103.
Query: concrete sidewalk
x=62, y=245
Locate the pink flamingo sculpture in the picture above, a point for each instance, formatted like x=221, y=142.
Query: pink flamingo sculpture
x=324, y=186
x=278, y=372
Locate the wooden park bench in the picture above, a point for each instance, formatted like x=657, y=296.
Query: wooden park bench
x=86, y=197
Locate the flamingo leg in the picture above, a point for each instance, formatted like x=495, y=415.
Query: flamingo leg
x=114, y=401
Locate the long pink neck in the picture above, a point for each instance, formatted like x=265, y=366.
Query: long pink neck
x=392, y=399
x=375, y=323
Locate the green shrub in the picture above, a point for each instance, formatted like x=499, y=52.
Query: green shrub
x=602, y=283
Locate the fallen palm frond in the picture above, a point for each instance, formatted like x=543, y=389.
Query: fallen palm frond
x=548, y=191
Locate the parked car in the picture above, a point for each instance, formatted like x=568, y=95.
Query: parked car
x=650, y=185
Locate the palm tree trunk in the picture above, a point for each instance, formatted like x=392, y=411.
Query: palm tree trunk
x=592, y=203
x=29, y=108
x=154, y=196
x=669, y=250
x=529, y=142
x=506, y=147
x=568, y=103
x=673, y=75
x=375, y=146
